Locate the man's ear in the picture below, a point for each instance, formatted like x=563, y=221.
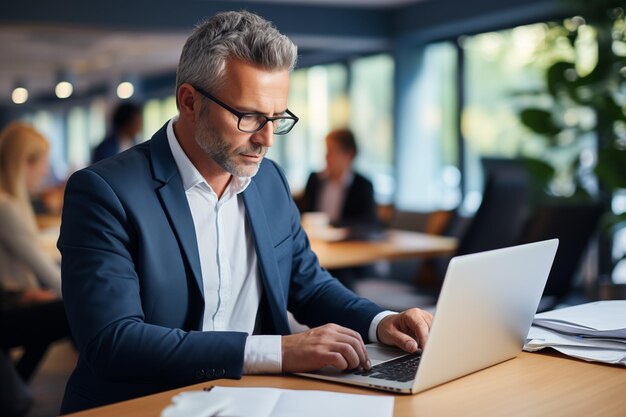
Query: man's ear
x=188, y=105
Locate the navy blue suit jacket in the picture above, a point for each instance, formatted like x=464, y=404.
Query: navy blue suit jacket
x=132, y=284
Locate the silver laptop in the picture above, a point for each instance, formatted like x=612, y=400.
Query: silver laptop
x=485, y=309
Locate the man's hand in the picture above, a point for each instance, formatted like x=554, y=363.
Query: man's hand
x=34, y=295
x=328, y=345
x=405, y=330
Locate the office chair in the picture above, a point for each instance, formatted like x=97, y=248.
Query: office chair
x=574, y=224
x=502, y=213
x=497, y=223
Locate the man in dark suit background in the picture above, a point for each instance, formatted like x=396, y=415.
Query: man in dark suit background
x=126, y=123
x=181, y=257
x=344, y=195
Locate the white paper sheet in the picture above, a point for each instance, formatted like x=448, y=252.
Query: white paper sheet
x=616, y=357
x=273, y=402
x=540, y=337
x=600, y=318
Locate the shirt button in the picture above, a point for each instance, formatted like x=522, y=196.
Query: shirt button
x=220, y=373
x=200, y=374
x=210, y=373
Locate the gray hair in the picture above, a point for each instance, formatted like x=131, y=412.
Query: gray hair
x=242, y=35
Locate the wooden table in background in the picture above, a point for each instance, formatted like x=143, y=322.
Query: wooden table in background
x=533, y=384
x=396, y=245
x=48, y=221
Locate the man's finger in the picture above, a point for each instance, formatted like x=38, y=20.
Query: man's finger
x=402, y=340
x=358, y=348
x=347, y=353
x=429, y=320
x=419, y=327
x=335, y=359
x=354, y=338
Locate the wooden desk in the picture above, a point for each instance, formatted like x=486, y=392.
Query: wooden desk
x=396, y=245
x=530, y=385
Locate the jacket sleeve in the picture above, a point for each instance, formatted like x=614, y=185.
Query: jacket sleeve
x=102, y=295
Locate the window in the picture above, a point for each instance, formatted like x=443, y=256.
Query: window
x=78, y=149
x=427, y=168
x=52, y=125
x=502, y=69
x=321, y=97
x=156, y=112
x=318, y=97
x=371, y=95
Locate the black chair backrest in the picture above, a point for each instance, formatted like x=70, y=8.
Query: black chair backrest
x=573, y=223
x=500, y=218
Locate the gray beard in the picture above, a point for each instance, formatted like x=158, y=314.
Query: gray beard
x=219, y=151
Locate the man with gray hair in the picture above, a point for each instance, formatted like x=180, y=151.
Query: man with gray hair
x=182, y=255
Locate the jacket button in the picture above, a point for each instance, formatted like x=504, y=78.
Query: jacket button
x=200, y=374
x=220, y=373
x=210, y=373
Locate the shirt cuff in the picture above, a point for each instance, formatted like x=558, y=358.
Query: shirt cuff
x=373, y=333
x=262, y=355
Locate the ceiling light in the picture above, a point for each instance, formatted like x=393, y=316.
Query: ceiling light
x=64, y=89
x=125, y=90
x=19, y=95
x=65, y=84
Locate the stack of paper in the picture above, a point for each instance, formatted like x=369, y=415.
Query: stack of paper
x=273, y=402
x=594, y=331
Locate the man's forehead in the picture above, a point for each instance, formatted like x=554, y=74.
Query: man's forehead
x=250, y=84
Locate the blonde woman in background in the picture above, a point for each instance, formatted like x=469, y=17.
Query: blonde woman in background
x=32, y=312
x=24, y=267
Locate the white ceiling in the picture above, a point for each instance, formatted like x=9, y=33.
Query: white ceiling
x=34, y=55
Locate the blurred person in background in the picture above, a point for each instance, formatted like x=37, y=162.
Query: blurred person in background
x=32, y=314
x=23, y=167
x=127, y=123
x=344, y=195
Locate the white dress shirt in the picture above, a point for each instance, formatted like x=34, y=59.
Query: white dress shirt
x=228, y=261
x=333, y=194
x=230, y=274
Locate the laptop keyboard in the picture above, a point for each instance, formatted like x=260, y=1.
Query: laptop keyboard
x=402, y=369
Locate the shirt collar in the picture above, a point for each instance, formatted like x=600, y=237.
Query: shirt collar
x=346, y=178
x=189, y=174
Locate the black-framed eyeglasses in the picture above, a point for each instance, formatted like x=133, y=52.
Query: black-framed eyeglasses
x=253, y=122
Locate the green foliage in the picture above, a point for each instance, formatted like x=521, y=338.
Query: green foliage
x=612, y=169
x=600, y=91
x=539, y=121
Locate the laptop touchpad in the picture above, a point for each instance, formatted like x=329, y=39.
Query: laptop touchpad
x=381, y=353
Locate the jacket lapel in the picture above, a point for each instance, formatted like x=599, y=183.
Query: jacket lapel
x=267, y=260
x=174, y=200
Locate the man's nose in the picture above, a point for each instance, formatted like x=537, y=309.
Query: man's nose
x=265, y=136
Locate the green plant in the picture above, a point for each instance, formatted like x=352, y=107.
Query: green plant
x=582, y=112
